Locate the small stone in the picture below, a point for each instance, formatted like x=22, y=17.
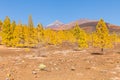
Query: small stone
x=7, y=79
x=8, y=75
x=34, y=72
x=73, y=68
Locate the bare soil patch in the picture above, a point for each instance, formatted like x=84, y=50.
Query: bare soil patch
x=61, y=63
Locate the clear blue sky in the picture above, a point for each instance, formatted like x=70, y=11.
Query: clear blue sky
x=47, y=11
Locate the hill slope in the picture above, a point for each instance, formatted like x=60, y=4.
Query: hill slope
x=87, y=25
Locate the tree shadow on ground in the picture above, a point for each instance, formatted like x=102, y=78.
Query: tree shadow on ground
x=118, y=52
x=97, y=53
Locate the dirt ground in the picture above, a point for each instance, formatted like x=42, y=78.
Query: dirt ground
x=64, y=62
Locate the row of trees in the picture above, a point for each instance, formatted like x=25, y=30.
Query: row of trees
x=19, y=35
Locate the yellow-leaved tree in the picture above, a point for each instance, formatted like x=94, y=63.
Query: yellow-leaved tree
x=102, y=38
x=40, y=33
x=6, y=33
x=0, y=30
x=61, y=36
x=16, y=41
x=81, y=36
x=114, y=38
x=26, y=36
x=11, y=33
x=32, y=33
x=0, y=25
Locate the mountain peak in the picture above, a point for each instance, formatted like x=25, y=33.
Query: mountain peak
x=56, y=23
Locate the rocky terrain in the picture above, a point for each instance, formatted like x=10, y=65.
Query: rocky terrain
x=63, y=62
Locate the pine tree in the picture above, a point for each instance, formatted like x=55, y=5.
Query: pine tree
x=81, y=36
x=114, y=38
x=40, y=33
x=17, y=36
x=103, y=39
x=30, y=22
x=76, y=31
x=6, y=31
x=12, y=28
x=61, y=37
x=68, y=36
x=1, y=25
x=26, y=36
x=0, y=31
x=94, y=39
x=31, y=32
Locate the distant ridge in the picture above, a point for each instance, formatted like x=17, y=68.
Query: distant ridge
x=86, y=24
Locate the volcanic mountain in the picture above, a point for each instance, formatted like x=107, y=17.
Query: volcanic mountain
x=55, y=25
x=86, y=24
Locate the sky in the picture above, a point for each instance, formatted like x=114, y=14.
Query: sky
x=47, y=11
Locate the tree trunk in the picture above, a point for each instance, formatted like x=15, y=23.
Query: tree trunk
x=102, y=50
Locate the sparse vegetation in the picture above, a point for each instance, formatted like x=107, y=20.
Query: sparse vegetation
x=42, y=66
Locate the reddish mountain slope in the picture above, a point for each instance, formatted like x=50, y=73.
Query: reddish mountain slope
x=87, y=25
